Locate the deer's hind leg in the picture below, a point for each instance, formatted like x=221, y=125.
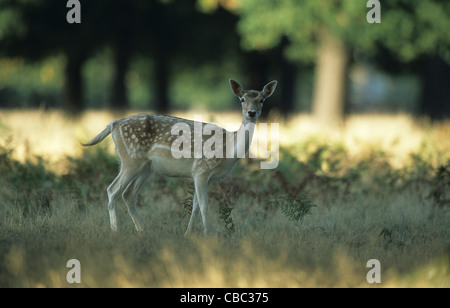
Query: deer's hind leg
x=131, y=194
x=112, y=201
x=117, y=188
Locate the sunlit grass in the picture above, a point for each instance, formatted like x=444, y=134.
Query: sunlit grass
x=377, y=188
x=54, y=135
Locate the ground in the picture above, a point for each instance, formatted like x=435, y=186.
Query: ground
x=379, y=188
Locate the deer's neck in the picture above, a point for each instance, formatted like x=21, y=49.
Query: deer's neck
x=243, y=138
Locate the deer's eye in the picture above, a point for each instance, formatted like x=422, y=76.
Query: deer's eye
x=242, y=100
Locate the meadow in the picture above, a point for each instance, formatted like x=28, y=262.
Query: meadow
x=379, y=188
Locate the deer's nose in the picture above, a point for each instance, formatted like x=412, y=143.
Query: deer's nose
x=252, y=114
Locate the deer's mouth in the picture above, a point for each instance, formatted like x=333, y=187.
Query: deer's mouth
x=251, y=114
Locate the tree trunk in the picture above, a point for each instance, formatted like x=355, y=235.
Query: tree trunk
x=288, y=76
x=119, y=100
x=162, y=77
x=73, y=84
x=330, y=86
x=122, y=39
x=288, y=80
x=435, y=100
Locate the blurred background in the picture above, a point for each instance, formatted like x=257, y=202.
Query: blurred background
x=165, y=55
x=375, y=185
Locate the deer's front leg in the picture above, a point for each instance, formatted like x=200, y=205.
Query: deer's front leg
x=201, y=190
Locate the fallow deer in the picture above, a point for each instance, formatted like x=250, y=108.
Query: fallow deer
x=149, y=144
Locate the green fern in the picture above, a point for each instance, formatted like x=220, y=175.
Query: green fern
x=225, y=217
x=296, y=208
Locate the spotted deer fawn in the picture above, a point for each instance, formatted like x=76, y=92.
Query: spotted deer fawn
x=149, y=143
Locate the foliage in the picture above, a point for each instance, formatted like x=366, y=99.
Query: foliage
x=129, y=31
x=32, y=174
x=84, y=179
x=188, y=201
x=296, y=208
x=23, y=84
x=408, y=29
x=225, y=217
x=224, y=210
x=441, y=191
x=30, y=184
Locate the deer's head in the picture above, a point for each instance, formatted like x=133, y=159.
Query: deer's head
x=251, y=100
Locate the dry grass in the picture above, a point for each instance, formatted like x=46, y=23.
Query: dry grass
x=54, y=136
x=372, y=182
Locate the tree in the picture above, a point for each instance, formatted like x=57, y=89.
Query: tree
x=120, y=36
x=43, y=31
x=435, y=98
x=180, y=33
x=258, y=66
x=422, y=41
x=317, y=32
x=169, y=32
x=328, y=32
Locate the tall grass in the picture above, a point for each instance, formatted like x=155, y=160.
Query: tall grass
x=377, y=189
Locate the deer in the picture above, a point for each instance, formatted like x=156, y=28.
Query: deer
x=145, y=145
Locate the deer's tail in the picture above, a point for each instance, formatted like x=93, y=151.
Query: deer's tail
x=99, y=138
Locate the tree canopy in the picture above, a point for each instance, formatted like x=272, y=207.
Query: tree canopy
x=408, y=28
x=329, y=33
x=270, y=37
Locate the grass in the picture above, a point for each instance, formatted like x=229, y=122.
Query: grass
x=377, y=189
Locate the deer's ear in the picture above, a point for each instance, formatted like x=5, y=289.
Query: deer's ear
x=236, y=88
x=269, y=89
